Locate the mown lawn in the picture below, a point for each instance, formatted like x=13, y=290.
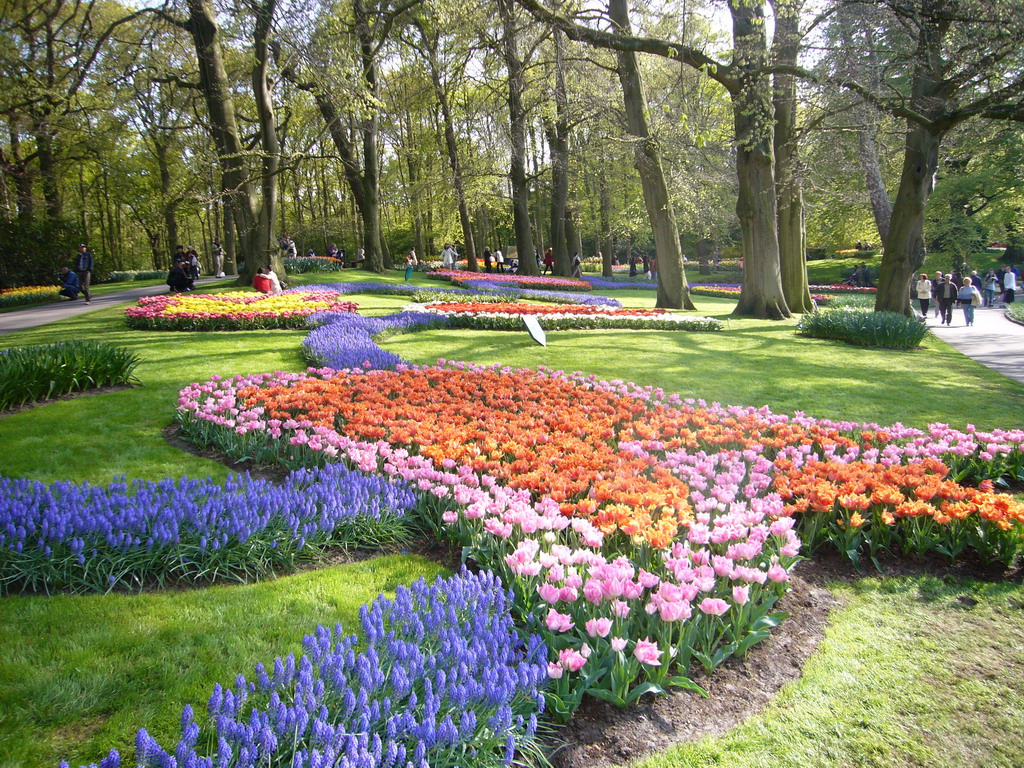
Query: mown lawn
x=911, y=672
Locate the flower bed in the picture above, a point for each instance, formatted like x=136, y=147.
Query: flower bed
x=342, y=340
x=235, y=311
x=641, y=533
x=476, y=290
x=842, y=288
x=300, y=264
x=732, y=291
x=507, y=317
x=86, y=538
x=440, y=677
x=29, y=294
x=459, y=277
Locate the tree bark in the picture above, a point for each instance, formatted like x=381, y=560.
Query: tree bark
x=268, y=252
x=239, y=194
x=369, y=127
x=788, y=184
x=608, y=255
x=756, y=208
x=558, y=142
x=517, y=133
x=867, y=148
x=673, y=291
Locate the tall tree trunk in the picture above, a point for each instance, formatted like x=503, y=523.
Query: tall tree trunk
x=22, y=174
x=453, y=161
x=756, y=208
x=517, y=132
x=608, y=254
x=673, y=291
x=267, y=252
x=788, y=185
x=369, y=128
x=48, y=173
x=930, y=97
x=904, y=250
x=213, y=81
x=867, y=148
x=170, y=205
x=229, y=240
x=558, y=141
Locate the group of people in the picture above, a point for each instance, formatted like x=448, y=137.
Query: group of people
x=77, y=280
x=576, y=264
x=861, y=277
x=266, y=281
x=644, y=264
x=969, y=292
x=184, y=269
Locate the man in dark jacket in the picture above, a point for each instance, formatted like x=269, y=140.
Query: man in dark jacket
x=69, y=284
x=946, y=295
x=83, y=266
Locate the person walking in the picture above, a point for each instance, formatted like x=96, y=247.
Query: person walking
x=935, y=291
x=84, y=267
x=990, y=285
x=924, y=293
x=947, y=296
x=410, y=264
x=549, y=262
x=968, y=297
x=218, y=257
x=487, y=258
x=1009, y=286
x=499, y=261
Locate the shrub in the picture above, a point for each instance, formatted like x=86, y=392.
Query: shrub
x=864, y=328
x=86, y=538
x=440, y=678
x=1015, y=312
x=28, y=374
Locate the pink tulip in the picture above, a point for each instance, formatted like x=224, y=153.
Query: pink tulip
x=740, y=595
x=549, y=593
x=618, y=643
x=558, y=622
x=714, y=606
x=599, y=627
x=778, y=574
x=647, y=652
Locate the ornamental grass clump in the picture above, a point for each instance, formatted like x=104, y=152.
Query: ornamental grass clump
x=440, y=678
x=79, y=537
x=28, y=374
x=864, y=328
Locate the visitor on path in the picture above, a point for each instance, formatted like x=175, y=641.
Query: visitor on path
x=1009, y=286
x=969, y=297
x=70, y=285
x=654, y=267
x=332, y=251
x=410, y=264
x=632, y=265
x=261, y=282
x=549, y=262
x=647, y=266
x=991, y=285
x=193, y=263
x=311, y=254
x=360, y=258
x=924, y=293
x=936, y=284
x=275, y=283
x=293, y=250
x=947, y=295
x=487, y=259
x=218, y=258
x=84, y=266
x=577, y=265
x=499, y=261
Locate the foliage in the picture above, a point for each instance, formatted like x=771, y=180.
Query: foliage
x=85, y=538
x=32, y=252
x=43, y=372
x=855, y=325
x=1015, y=312
x=444, y=679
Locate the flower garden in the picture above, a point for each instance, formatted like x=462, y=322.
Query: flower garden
x=627, y=538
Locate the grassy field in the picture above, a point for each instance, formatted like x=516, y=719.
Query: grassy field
x=912, y=672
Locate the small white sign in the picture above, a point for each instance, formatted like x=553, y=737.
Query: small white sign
x=536, y=332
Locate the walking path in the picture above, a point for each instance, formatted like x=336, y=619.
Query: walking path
x=993, y=340
x=30, y=317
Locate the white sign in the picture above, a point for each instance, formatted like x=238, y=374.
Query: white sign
x=536, y=332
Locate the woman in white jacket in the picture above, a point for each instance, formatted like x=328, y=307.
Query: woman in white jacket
x=924, y=293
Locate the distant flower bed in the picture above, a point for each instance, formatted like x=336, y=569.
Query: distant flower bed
x=523, y=281
x=439, y=676
x=29, y=294
x=300, y=264
x=86, y=538
x=481, y=290
x=842, y=288
x=729, y=291
x=499, y=316
x=236, y=311
x=126, y=275
x=28, y=374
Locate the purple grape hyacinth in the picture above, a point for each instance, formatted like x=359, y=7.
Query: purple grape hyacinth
x=441, y=677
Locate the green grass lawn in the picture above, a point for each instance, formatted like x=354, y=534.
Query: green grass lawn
x=908, y=675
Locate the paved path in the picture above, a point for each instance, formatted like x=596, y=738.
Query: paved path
x=993, y=340
x=30, y=317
